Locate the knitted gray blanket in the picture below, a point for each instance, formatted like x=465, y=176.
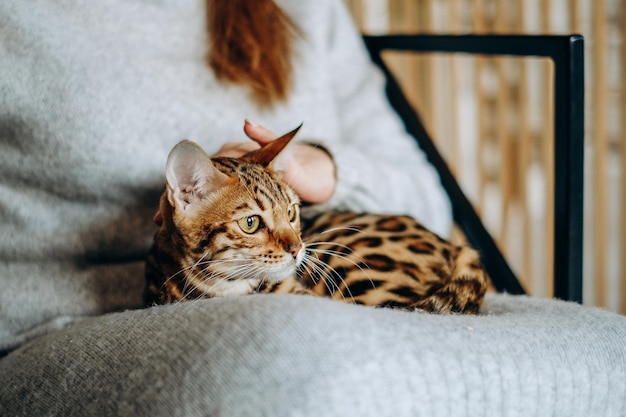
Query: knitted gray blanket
x=287, y=355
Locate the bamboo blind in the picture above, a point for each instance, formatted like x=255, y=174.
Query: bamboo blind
x=492, y=119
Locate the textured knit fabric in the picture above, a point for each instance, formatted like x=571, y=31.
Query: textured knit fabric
x=93, y=95
x=273, y=355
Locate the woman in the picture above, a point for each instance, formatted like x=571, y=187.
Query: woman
x=95, y=94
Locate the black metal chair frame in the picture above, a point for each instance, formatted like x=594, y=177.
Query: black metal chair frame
x=567, y=54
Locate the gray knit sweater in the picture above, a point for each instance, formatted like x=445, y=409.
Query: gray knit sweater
x=93, y=95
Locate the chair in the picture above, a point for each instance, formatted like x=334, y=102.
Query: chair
x=567, y=53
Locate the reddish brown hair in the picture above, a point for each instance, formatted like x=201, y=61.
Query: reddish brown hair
x=250, y=44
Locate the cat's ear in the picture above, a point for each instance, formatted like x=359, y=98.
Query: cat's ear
x=191, y=175
x=268, y=153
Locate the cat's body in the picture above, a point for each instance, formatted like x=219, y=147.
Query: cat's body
x=391, y=261
x=232, y=227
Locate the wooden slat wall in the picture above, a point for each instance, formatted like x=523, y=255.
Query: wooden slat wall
x=622, y=21
x=499, y=143
x=600, y=146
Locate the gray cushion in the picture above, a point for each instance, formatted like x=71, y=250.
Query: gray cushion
x=280, y=355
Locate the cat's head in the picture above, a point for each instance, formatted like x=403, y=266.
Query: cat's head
x=230, y=224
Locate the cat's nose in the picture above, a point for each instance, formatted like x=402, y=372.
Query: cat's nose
x=294, y=249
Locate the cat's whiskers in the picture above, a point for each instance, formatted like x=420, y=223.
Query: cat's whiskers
x=361, y=265
x=331, y=252
x=313, y=272
x=186, y=270
x=304, y=268
x=188, y=274
x=335, y=229
x=340, y=254
x=318, y=267
x=189, y=271
x=322, y=266
x=240, y=270
x=211, y=281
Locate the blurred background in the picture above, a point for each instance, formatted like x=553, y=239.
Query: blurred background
x=492, y=120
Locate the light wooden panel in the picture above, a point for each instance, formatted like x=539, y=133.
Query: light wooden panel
x=622, y=21
x=599, y=137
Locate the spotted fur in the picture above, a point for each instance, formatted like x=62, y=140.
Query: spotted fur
x=390, y=261
x=205, y=246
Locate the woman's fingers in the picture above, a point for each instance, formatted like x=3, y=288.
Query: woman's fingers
x=258, y=133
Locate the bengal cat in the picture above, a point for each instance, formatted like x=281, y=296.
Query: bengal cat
x=232, y=227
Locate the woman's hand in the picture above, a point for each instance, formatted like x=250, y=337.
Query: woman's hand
x=308, y=170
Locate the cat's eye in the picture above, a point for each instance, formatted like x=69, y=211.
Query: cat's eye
x=292, y=212
x=249, y=224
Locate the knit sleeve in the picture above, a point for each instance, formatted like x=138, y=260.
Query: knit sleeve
x=380, y=168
